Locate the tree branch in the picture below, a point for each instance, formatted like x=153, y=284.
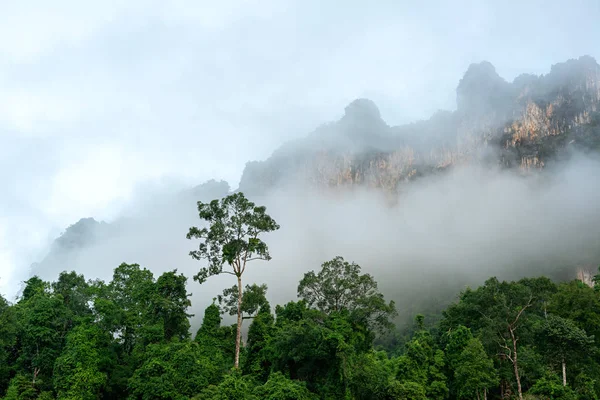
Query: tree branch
x=256, y=258
x=508, y=353
x=523, y=309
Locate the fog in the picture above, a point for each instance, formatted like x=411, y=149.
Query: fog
x=438, y=235
x=113, y=110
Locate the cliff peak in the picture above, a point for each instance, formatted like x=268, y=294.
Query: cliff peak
x=361, y=120
x=481, y=89
x=363, y=109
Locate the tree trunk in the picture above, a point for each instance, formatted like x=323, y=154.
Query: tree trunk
x=484, y=393
x=36, y=371
x=516, y=365
x=478, y=398
x=564, y=371
x=238, y=335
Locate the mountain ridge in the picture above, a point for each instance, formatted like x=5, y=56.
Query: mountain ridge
x=526, y=125
x=525, y=122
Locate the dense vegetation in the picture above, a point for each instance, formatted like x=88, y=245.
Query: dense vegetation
x=130, y=337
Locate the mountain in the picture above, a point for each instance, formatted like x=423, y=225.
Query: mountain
x=526, y=124
x=68, y=250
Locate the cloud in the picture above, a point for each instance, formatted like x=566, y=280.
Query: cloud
x=445, y=231
x=194, y=89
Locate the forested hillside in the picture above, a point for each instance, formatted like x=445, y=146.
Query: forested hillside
x=498, y=195
x=130, y=337
x=530, y=124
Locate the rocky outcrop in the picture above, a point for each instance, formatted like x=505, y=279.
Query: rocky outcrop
x=525, y=124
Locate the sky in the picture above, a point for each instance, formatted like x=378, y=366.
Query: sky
x=99, y=98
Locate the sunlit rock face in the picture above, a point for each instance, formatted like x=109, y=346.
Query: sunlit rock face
x=526, y=124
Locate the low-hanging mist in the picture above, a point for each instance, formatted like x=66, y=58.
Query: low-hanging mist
x=504, y=185
x=442, y=233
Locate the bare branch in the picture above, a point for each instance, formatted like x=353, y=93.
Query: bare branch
x=522, y=310
x=256, y=258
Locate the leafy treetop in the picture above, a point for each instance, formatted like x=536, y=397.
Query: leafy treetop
x=232, y=236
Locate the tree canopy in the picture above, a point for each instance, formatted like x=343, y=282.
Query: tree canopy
x=339, y=286
x=232, y=237
x=130, y=337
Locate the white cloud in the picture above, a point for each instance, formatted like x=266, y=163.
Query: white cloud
x=32, y=29
x=97, y=97
x=30, y=112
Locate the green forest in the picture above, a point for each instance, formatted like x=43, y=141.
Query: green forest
x=130, y=338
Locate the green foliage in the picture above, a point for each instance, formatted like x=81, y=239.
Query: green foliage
x=33, y=286
x=339, y=286
x=8, y=337
x=21, y=388
x=474, y=371
x=585, y=386
x=371, y=375
x=233, y=387
x=78, y=372
x=254, y=297
x=278, y=387
x=256, y=357
x=549, y=387
x=407, y=391
x=564, y=338
x=76, y=294
x=456, y=342
x=170, y=305
x=216, y=342
x=129, y=338
x=423, y=363
x=175, y=370
x=127, y=302
x=232, y=237
x=580, y=303
x=41, y=328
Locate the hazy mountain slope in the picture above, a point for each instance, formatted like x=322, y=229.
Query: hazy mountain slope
x=527, y=123
x=468, y=206
x=69, y=250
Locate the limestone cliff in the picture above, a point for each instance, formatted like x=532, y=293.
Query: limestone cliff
x=522, y=124
x=526, y=125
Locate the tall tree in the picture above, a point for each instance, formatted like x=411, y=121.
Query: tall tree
x=475, y=372
x=254, y=297
x=508, y=313
x=216, y=341
x=173, y=370
x=75, y=292
x=260, y=331
x=131, y=292
x=232, y=238
x=41, y=330
x=78, y=371
x=170, y=304
x=339, y=286
x=564, y=338
x=423, y=364
x=501, y=313
x=8, y=336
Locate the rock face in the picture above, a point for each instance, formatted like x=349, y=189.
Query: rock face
x=525, y=124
